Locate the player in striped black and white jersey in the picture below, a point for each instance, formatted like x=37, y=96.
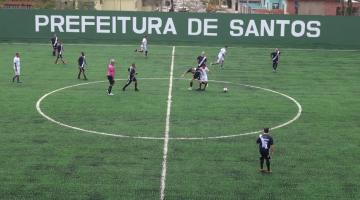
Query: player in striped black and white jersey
x=266, y=149
x=54, y=41
x=131, y=78
x=275, y=56
x=82, y=63
x=60, y=52
x=16, y=66
x=196, y=71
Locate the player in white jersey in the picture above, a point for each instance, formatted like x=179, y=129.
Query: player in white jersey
x=143, y=46
x=203, y=77
x=16, y=67
x=221, y=57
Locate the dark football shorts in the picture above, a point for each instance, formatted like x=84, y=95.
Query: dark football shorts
x=132, y=78
x=197, y=75
x=264, y=153
x=111, y=80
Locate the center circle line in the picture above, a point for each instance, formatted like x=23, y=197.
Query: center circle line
x=39, y=110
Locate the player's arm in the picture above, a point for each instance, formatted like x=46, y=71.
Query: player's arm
x=15, y=65
x=272, y=147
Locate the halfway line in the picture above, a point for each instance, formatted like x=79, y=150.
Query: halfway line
x=167, y=128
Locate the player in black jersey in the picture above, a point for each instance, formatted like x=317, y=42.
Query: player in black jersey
x=132, y=78
x=266, y=148
x=196, y=71
x=275, y=59
x=54, y=41
x=82, y=63
x=60, y=52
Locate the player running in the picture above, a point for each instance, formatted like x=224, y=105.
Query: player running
x=60, y=52
x=132, y=78
x=143, y=46
x=16, y=68
x=111, y=76
x=82, y=63
x=275, y=59
x=54, y=41
x=221, y=57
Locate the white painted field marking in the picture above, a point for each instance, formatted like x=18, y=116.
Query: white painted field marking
x=38, y=108
x=167, y=129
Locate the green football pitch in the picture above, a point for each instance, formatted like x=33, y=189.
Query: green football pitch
x=64, y=138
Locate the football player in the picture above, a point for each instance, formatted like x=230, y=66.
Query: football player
x=221, y=57
x=54, y=41
x=60, y=52
x=143, y=46
x=82, y=63
x=111, y=76
x=16, y=67
x=275, y=59
x=131, y=78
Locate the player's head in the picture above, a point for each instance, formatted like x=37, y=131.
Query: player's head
x=133, y=65
x=17, y=54
x=276, y=49
x=112, y=61
x=145, y=36
x=226, y=46
x=82, y=53
x=266, y=130
x=203, y=53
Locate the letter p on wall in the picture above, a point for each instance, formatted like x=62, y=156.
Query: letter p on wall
x=41, y=20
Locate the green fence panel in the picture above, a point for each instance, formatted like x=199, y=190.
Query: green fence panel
x=179, y=28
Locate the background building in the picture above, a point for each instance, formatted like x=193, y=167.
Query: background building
x=321, y=7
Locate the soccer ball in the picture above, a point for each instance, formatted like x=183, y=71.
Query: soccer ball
x=225, y=89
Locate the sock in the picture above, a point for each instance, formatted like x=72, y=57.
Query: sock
x=268, y=164
x=109, y=89
x=146, y=53
x=205, y=86
x=79, y=74
x=191, y=84
x=136, y=86
x=84, y=75
x=261, y=163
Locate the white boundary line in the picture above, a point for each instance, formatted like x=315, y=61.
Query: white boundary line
x=38, y=108
x=167, y=129
x=185, y=46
